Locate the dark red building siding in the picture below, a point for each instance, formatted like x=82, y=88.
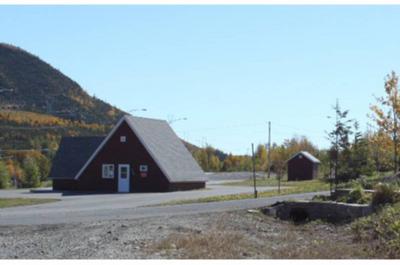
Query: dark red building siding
x=301, y=168
x=131, y=152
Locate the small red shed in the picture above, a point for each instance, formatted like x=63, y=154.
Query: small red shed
x=302, y=166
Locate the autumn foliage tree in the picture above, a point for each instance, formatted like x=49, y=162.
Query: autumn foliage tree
x=31, y=173
x=386, y=113
x=4, y=176
x=380, y=146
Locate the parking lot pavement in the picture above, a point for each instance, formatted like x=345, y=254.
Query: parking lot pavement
x=81, y=207
x=63, y=212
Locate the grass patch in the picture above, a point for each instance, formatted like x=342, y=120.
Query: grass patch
x=367, y=182
x=12, y=202
x=272, y=181
x=290, y=188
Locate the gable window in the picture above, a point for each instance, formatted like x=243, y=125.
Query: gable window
x=143, y=168
x=108, y=171
x=122, y=139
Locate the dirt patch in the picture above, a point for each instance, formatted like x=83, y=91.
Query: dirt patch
x=218, y=235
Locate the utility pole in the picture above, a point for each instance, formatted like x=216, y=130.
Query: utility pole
x=254, y=171
x=269, y=149
x=395, y=130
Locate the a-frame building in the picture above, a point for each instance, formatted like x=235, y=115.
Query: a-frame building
x=138, y=155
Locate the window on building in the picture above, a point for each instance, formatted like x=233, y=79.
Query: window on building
x=143, y=171
x=123, y=139
x=108, y=171
x=143, y=168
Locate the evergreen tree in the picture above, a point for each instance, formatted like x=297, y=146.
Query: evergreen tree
x=340, y=144
x=361, y=161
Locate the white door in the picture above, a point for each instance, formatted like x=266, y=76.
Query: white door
x=123, y=178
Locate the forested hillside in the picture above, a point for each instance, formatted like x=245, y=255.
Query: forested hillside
x=30, y=84
x=39, y=105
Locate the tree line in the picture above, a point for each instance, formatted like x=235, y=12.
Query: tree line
x=26, y=170
x=210, y=161
x=352, y=152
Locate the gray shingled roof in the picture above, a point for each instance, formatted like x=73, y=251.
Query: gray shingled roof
x=307, y=155
x=72, y=154
x=166, y=149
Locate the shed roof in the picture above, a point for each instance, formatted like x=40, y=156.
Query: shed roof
x=306, y=155
x=72, y=154
x=167, y=149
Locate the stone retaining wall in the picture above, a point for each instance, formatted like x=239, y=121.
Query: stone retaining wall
x=299, y=211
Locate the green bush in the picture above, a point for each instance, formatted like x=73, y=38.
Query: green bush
x=4, y=176
x=381, y=231
x=32, y=177
x=366, y=183
x=321, y=198
x=357, y=195
x=341, y=199
x=384, y=194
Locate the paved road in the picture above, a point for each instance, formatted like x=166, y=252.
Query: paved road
x=82, y=208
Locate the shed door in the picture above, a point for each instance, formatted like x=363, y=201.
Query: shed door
x=123, y=178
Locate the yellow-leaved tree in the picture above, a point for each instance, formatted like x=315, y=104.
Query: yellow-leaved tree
x=386, y=113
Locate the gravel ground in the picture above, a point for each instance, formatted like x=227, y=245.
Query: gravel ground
x=238, y=234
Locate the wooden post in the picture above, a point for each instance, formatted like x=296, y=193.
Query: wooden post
x=269, y=149
x=254, y=171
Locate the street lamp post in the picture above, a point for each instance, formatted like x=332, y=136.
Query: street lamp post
x=137, y=110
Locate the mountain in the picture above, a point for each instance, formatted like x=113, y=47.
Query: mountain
x=39, y=104
x=30, y=84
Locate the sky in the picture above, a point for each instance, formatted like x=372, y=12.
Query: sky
x=227, y=69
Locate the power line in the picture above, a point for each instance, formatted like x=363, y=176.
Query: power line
x=295, y=128
x=248, y=125
x=228, y=127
